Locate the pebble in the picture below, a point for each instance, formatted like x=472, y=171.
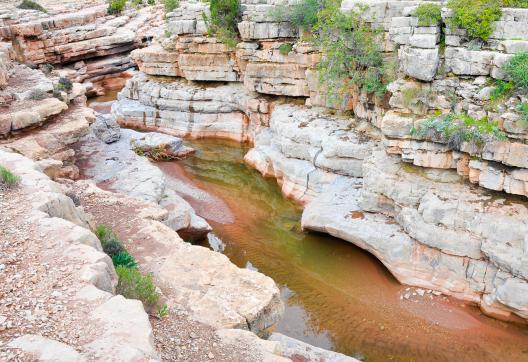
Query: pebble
x=210, y=355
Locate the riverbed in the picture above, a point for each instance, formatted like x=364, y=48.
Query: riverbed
x=337, y=296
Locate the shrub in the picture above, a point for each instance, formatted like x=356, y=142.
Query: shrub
x=454, y=129
x=516, y=70
x=109, y=241
x=302, y=14
x=47, y=68
x=285, y=48
x=515, y=3
x=151, y=2
x=428, y=14
x=64, y=84
x=501, y=90
x=31, y=5
x=116, y=6
x=37, y=94
x=351, y=53
x=476, y=16
x=133, y=285
x=158, y=153
x=170, y=5
x=7, y=177
x=223, y=20
x=123, y=258
x=163, y=311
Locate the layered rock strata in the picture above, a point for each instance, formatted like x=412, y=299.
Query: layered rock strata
x=190, y=110
x=371, y=167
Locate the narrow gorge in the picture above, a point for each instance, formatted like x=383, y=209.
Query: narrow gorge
x=264, y=180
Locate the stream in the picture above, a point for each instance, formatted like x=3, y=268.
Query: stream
x=337, y=296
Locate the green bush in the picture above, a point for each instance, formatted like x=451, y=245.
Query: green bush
x=31, y=5
x=476, y=16
x=123, y=258
x=163, y=311
x=285, y=48
x=501, y=90
x=133, y=285
x=223, y=20
x=351, y=52
x=7, y=177
x=116, y=6
x=428, y=14
x=515, y=3
x=64, y=84
x=516, y=70
x=109, y=241
x=302, y=14
x=47, y=68
x=171, y=5
x=151, y=2
x=454, y=129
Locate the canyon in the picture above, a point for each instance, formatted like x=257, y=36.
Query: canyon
x=446, y=221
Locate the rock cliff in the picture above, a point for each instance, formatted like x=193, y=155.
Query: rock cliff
x=440, y=216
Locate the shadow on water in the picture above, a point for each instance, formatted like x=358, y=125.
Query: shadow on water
x=337, y=296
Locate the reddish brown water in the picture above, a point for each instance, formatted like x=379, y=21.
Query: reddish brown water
x=337, y=296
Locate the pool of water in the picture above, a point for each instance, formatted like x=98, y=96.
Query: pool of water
x=337, y=296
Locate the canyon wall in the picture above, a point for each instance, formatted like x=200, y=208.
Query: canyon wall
x=447, y=218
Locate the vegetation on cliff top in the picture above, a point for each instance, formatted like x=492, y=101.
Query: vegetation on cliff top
x=222, y=22
x=31, y=5
x=302, y=14
x=455, y=129
x=170, y=5
x=428, y=14
x=116, y=6
x=351, y=49
x=476, y=16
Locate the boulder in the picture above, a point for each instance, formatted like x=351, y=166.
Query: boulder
x=421, y=64
x=106, y=128
x=169, y=146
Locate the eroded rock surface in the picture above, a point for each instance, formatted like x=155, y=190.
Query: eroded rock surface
x=59, y=263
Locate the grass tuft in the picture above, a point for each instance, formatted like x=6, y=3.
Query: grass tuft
x=7, y=177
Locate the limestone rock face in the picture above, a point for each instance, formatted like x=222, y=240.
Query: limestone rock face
x=419, y=63
x=196, y=58
x=188, y=110
x=82, y=34
x=269, y=71
x=257, y=24
x=305, y=150
x=446, y=236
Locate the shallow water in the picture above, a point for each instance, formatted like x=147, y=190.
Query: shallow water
x=337, y=296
